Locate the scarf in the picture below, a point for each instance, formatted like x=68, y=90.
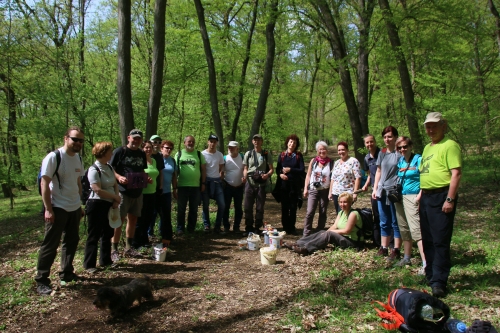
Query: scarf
x=323, y=161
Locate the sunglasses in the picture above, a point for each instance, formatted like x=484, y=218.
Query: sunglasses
x=170, y=148
x=76, y=139
x=403, y=147
x=157, y=142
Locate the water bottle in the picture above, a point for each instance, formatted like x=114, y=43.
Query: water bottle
x=455, y=326
x=426, y=312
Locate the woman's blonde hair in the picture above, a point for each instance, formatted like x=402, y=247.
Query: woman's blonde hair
x=347, y=195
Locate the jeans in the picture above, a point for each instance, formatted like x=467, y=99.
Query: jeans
x=142, y=225
x=213, y=190
x=236, y=193
x=314, y=198
x=437, y=229
x=98, y=229
x=255, y=195
x=192, y=195
x=66, y=224
x=166, y=216
x=388, y=221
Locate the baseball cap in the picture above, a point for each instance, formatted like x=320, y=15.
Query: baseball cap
x=153, y=137
x=232, y=144
x=433, y=117
x=213, y=137
x=257, y=136
x=135, y=133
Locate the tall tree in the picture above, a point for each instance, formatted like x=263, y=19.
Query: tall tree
x=404, y=75
x=157, y=67
x=212, y=75
x=268, y=70
x=123, y=84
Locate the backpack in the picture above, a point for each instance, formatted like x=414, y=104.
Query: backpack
x=86, y=189
x=58, y=162
x=404, y=311
x=241, y=154
x=366, y=231
x=263, y=153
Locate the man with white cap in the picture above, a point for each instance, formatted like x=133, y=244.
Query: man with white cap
x=257, y=170
x=440, y=174
x=234, y=184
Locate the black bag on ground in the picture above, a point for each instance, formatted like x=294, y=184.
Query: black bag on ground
x=366, y=231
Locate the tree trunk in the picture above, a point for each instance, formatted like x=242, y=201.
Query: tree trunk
x=212, y=76
x=404, y=76
x=494, y=11
x=365, y=14
x=317, y=59
x=157, y=66
x=123, y=84
x=337, y=45
x=241, y=84
x=268, y=71
x=12, y=148
x=482, y=91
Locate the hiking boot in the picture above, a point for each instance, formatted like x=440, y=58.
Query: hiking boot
x=131, y=253
x=91, y=271
x=115, y=257
x=438, y=292
x=394, y=255
x=289, y=246
x=300, y=250
x=71, y=278
x=403, y=263
x=382, y=252
x=43, y=290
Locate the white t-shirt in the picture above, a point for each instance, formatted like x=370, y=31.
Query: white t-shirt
x=106, y=181
x=320, y=176
x=213, y=162
x=70, y=170
x=233, y=170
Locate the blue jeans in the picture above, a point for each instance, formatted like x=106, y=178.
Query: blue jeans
x=387, y=214
x=213, y=190
x=187, y=194
x=236, y=193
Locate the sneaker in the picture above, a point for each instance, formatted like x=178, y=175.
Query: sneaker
x=382, y=252
x=43, y=290
x=115, y=257
x=207, y=229
x=421, y=271
x=394, y=255
x=91, y=271
x=131, y=253
x=71, y=278
x=403, y=262
x=438, y=292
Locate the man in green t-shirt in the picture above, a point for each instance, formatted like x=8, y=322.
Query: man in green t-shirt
x=440, y=173
x=191, y=175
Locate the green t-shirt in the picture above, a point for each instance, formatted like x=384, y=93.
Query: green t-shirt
x=437, y=162
x=189, y=168
x=152, y=172
x=343, y=223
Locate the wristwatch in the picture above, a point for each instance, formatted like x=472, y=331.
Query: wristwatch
x=450, y=200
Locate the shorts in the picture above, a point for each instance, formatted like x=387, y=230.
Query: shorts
x=130, y=205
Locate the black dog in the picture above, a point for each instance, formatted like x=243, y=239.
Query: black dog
x=119, y=299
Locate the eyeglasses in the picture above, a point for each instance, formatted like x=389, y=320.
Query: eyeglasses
x=77, y=139
x=403, y=147
x=170, y=148
x=157, y=142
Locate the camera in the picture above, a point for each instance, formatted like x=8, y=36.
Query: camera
x=317, y=184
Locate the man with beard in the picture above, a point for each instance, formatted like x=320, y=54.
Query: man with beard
x=191, y=176
x=61, y=191
x=129, y=163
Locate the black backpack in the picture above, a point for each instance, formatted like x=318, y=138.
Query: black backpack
x=86, y=190
x=366, y=230
x=58, y=162
x=403, y=311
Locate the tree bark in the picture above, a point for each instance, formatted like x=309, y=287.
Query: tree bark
x=157, y=67
x=404, y=76
x=482, y=91
x=212, y=76
x=337, y=44
x=268, y=71
x=317, y=59
x=494, y=11
x=123, y=84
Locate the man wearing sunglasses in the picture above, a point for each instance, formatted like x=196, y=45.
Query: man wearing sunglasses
x=129, y=163
x=158, y=157
x=61, y=190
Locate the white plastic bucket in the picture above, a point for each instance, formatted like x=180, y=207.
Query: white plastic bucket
x=276, y=241
x=268, y=256
x=253, y=245
x=159, y=253
x=242, y=244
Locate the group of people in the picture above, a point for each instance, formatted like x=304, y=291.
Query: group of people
x=141, y=178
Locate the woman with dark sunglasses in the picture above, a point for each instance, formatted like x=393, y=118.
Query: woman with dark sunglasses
x=407, y=210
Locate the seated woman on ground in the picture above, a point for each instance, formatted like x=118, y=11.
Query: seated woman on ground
x=343, y=233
